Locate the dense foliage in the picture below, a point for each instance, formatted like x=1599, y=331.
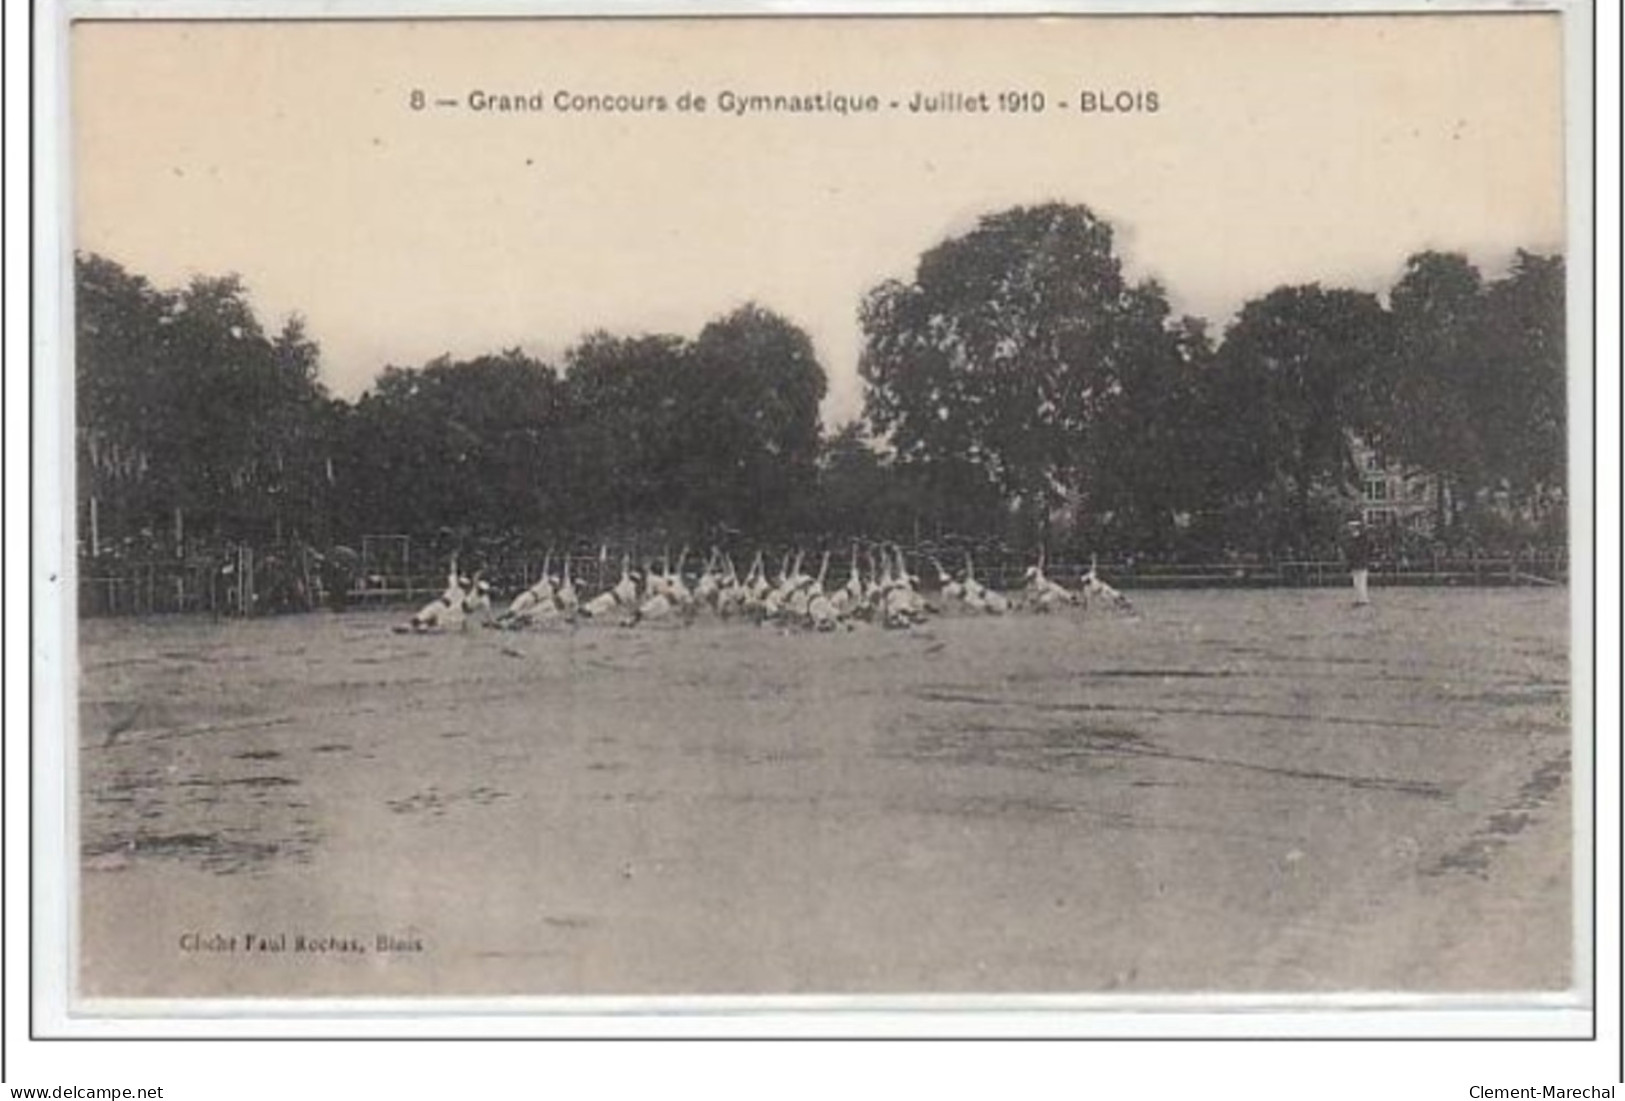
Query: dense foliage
x=1018, y=389
x=1024, y=386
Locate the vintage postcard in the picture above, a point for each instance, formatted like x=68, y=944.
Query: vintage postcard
x=1072, y=506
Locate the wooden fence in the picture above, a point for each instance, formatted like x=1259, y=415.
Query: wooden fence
x=244, y=580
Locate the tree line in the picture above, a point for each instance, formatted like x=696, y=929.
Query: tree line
x=1018, y=389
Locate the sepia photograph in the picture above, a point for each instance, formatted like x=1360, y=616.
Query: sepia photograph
x=983, y=508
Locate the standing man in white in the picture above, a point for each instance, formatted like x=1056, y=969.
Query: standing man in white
x=1359, y=556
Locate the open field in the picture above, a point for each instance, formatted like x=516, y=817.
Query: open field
x=1235, y=791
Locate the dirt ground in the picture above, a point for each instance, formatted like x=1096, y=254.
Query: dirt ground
x=1232, y=791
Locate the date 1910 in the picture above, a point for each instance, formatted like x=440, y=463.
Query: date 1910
x=1034, y=102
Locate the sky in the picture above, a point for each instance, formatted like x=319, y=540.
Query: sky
x=1281, y=150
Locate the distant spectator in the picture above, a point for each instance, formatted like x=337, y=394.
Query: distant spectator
x=1358, y=550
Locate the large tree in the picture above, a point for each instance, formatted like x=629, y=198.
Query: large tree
x=461, y=445
x=750, y=426
x=996, y=363
x=1523, y=402
x=1152, y=452
x=1474, y=392
x=1296, y=372
x=863, y=495
x=1425, y=409
x=623, y=445
x=190, y=412
x=118, y=364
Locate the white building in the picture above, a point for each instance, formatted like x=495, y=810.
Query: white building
x=1393, y=493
